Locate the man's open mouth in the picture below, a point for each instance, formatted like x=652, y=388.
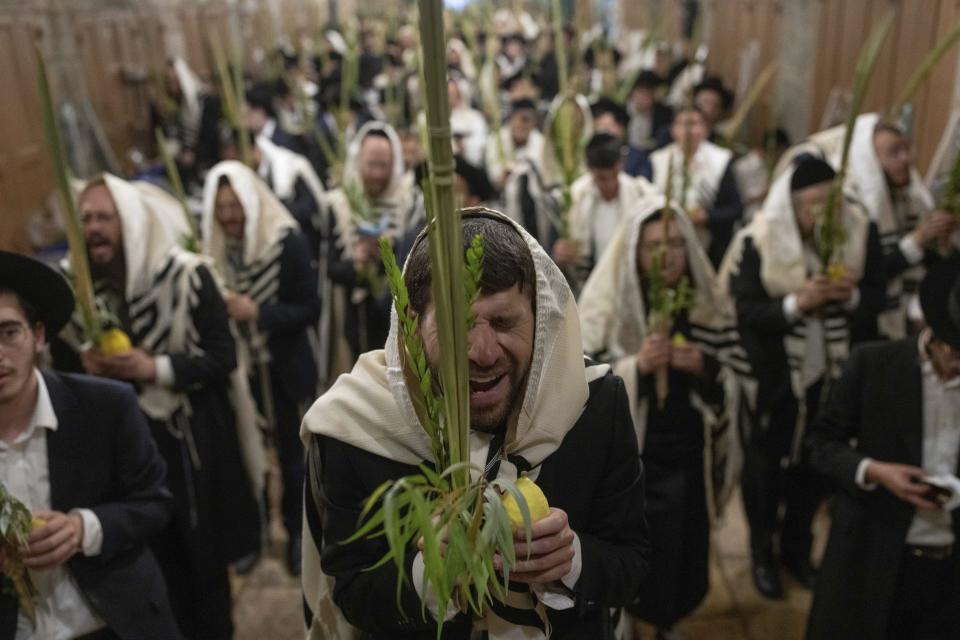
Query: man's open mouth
x=485, y=384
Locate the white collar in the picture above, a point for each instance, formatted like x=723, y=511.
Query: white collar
x=928, y=371
x=269, y=128
x=43, y=414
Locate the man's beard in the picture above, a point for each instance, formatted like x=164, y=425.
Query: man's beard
x=489, y=419
x=114, y=271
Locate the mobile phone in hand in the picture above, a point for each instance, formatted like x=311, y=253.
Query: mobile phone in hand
x=935, y=493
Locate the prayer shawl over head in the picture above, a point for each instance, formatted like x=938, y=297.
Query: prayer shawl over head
x=785, y=264
x=543, y=176
x=370, y=408
x=255, y=272
x=162, y=290
x=284, y=167
x=894, y=218
x=396, y=207
x=498, y=166
x=613, y=317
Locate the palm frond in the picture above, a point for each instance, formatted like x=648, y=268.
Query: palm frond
x=923, y=71
x=79, y=266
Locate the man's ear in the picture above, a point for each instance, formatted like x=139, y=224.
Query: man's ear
x=40, y=336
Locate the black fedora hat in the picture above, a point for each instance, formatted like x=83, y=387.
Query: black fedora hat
x=940, y=301
x=45, y=289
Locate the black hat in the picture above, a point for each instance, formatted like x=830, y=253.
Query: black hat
x=810, y=170
x=940, y=301
x=647, y=79
x=714, y=83
x=45, y=289
x=261, y=96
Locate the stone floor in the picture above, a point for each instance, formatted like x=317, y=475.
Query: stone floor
x=268, y=601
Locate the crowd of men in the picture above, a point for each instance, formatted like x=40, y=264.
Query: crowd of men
x=799, y=374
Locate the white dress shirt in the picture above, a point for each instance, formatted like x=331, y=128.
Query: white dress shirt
x=606, y=219
x=941, y=445
x=62, y=610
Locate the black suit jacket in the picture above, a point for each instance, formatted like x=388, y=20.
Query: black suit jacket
x=595, y=476
x=875, y=411
x=286, y=320
x=763, y=325
x=102, y=457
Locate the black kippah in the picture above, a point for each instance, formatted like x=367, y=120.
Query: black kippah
x=809, y=171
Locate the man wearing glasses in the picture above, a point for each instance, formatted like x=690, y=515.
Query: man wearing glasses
x=76, y=451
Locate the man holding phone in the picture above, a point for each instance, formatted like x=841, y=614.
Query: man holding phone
x=890, y=438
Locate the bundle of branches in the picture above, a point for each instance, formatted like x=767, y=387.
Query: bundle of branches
x=366, y=222
x=951, y=197
x=232, y=98
x=567, y=140
x=97, y=327
x=191, y=239
x=830, y=232
x=728, y=130
x=16, y=524
x=665, y=302
x=449, y=503
x=336, y=154
x=568, y=146
x=922, y=72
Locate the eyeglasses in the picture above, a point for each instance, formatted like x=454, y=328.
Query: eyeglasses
x=12, y=333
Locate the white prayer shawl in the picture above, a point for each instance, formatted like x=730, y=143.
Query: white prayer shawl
x=706, y=167
x=191, y=105
x=632, y=194
x=544, y=175
x=785, y=264
x=162, y=289
x=550, y=160
x=398, y=201
x=370, y=408
x=613, y=318
x=285, y=168
x=467, y=68
x=682, y=88
x=497, y=167
x=753, y=181
x=267, y=223
x=468, y=122
x=867, y=180
x=826, y=144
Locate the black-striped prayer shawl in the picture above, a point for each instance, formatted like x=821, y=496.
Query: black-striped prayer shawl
x=542, y=178
x=371, y=409
x=614, y=325
x=255, y=270
x=895, y=217
x=785, y=265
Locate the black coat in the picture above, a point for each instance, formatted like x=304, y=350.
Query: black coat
x=595, y=476
x=878, y=403
x=763, y=325
x=101, y=457
x=286, y=320
x=723, y=216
